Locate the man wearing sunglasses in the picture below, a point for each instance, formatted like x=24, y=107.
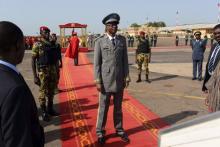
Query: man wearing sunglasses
x=111, y=75
x=198, y=49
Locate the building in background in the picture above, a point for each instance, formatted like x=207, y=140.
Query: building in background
x=180, y=30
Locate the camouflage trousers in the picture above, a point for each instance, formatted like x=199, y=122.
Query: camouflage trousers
x=48, y=80
x=143, y=59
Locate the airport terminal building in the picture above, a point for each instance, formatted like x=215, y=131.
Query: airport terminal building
x=181, y=30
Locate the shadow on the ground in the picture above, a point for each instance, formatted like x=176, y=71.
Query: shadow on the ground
x=150, y=125
x=66, y=133
x=172, y=119
x=85, y=64
x=129, y=132
x=66, y=110
x=164, y=78
x=68, y=114
x=75, y=88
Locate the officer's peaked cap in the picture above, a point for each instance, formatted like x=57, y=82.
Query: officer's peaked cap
x=197, y=33
x=113, y=17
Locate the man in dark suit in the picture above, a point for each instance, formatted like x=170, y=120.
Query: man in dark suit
x=213, y=58
x=19, y=123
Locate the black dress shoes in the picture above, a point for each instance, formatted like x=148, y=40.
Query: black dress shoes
x=193, y=78
x=101, y=140
x=124, y=137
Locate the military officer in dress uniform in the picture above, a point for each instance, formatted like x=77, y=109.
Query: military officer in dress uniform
x=143, y=55
x=111, y=75
x=44, y=71
x=198, y=47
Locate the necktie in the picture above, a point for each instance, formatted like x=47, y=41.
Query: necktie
x=113, y=41
x=211, y=62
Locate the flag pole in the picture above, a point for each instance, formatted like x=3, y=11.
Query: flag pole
x=218, y=12
x=177, y=18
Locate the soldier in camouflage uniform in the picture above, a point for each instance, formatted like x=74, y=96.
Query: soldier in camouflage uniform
x=143, y=55
x=44, y=70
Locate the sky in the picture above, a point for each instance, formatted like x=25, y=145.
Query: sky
x=29, y=15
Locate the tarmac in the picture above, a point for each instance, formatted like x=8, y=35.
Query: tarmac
x=172, y=94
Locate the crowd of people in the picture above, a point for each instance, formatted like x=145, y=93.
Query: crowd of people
x=191, y=37
x=20, y=125
x=29, y=42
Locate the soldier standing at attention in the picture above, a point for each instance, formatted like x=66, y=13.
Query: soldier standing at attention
x=129, y=40
x=151, y=40
x=143, y=55
x=132, y=41
x=44, y=57
x=155, y=39
x=111, y=76
x=198, y=48
x=58, y=57
x=186, y=39
x=177, y=40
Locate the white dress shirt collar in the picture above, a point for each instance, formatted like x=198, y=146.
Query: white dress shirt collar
x=110, y=37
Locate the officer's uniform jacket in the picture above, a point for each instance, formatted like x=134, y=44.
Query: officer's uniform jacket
x=111, y=63
x=198, y=48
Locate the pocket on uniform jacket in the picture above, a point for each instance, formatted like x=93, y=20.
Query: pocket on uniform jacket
x=106, y=51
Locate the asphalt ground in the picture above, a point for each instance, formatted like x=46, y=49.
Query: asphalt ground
x=172, y=94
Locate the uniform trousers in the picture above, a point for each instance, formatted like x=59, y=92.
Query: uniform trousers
x=48, y=83
x=197, y=64
x=104, y=102
x=143, y=59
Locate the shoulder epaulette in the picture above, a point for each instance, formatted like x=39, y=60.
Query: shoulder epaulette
x=99, y=37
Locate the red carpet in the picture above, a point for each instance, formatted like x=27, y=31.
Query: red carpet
x=78, y=104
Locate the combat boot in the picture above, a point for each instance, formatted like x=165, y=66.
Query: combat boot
x=50, y=109
x=139, y=78
x=147, y=79
x=45, y=115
